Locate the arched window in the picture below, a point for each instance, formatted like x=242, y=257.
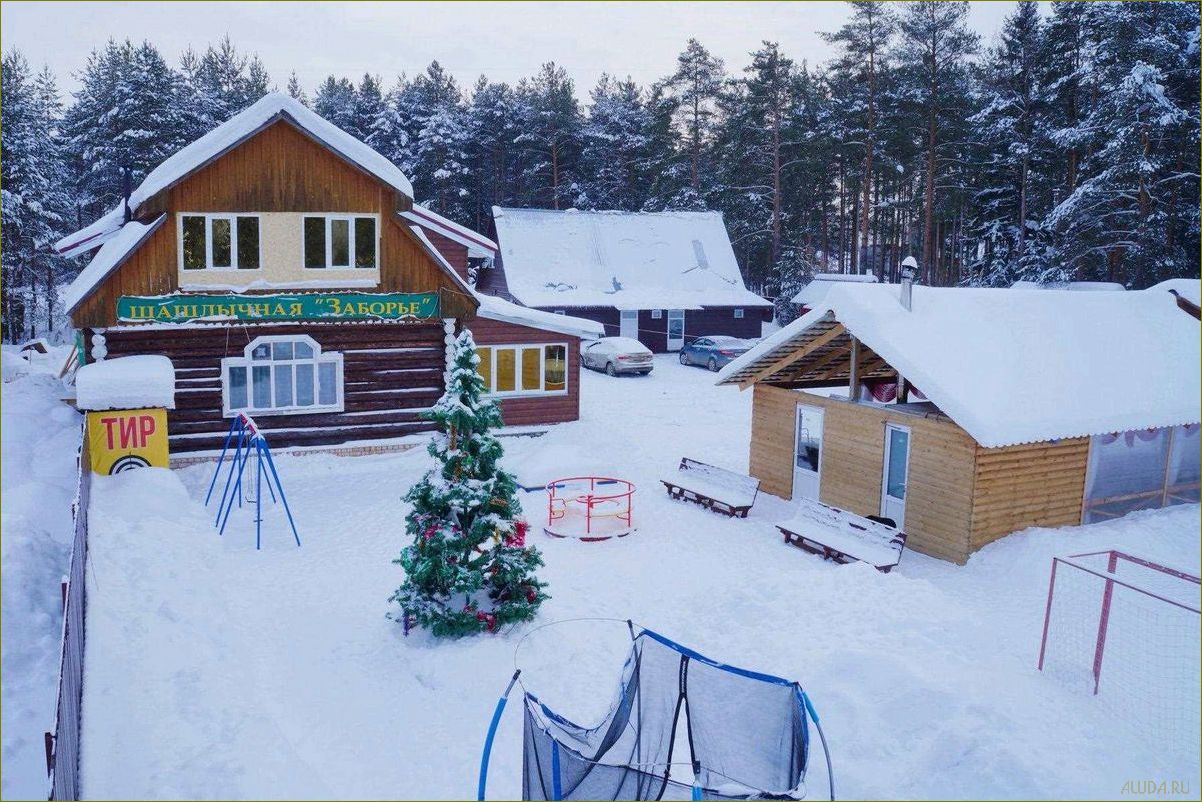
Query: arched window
x=282, y=374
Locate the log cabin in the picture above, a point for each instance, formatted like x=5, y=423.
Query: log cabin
x=966, y=414
x=663, y=278
x=285, y=270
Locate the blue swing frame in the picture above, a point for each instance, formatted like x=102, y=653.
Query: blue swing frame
x=247, y=442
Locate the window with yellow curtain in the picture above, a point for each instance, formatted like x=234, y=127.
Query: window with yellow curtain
x=555, y=368
x=485, y=367
x=506, y=376
x=532, y=379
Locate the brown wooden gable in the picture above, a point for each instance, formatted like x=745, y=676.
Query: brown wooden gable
x=820, y=356
x=278, y=169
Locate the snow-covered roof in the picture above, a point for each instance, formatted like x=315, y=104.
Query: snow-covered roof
x=116, y=248
x=1188, y=288
x=266, y=110
x=477, y=245
x=438, y=257
x=1018, y=366
x=494, y=308
x=128, y=382
x=812, y=294
x=1075, y=286
x=662, y=260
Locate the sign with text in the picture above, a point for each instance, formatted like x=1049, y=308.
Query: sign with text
x=119, y=440
x=298, y=306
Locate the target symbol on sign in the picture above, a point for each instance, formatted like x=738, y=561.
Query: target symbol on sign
x=128, y=463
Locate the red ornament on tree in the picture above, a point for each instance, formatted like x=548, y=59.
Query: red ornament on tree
x=517, y=538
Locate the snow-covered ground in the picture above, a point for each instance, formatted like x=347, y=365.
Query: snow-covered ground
x=39, y=438
x=214, y=671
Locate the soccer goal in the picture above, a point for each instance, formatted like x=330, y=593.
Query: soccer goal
x=1126, y=630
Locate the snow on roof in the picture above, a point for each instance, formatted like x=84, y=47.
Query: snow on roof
x=119, y=245
x=663, y=260
x=128, y=382
x=494, y=308
x=1188, y=288
x=812, y=294
x=477, y=245
x=1075, y=286
x=438, y=257
x=1015, y=366
x=244, y=124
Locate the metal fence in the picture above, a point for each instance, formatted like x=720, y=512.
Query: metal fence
x=62, y=745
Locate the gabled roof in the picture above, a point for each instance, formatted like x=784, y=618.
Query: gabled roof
x=1015, y=366
x=112, y=254
x=662, y=260
x=477, y=245
x=266, y=110
x=812, y=293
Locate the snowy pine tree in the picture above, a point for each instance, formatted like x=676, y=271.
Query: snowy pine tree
x=550, y=137
x=468, y=569
x=615, y=148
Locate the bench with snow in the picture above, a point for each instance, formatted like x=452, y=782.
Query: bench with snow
x=712, y=487
x=843, y=536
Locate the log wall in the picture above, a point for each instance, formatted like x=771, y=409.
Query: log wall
x=534, y=409
x=391, y=372
x=940, y=490
x=1037, y=484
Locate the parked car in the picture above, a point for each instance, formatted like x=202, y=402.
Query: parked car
x=616, y=355
x=713, y=352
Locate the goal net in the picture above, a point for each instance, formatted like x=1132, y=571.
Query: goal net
x=1126, y=630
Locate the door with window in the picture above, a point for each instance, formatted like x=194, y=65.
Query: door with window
x=896, y=474
x=807, y=450
x=675, y=329
x=629, y=324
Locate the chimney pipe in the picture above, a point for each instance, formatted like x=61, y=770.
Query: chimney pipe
x=125, y=191
x=908, y=272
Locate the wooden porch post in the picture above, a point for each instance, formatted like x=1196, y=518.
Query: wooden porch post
x=853, y=376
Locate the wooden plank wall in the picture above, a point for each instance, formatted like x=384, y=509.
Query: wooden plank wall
x=391, y=371
x=534, y=410
x=278, y=170
x=941, y=478
x=1037, y=484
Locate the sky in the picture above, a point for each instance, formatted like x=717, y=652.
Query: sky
x=503, y=40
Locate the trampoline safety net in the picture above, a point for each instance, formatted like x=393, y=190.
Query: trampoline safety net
x=684, y=727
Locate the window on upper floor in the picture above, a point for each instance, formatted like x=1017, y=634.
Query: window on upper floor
x=219, y=242
x=282, y=374
x=341, y=242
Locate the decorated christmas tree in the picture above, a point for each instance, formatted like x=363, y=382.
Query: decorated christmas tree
x=468, y=569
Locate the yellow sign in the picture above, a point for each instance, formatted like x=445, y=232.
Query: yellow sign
x=119, y=440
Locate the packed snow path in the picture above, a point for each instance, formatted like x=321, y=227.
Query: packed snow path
x=215, y=671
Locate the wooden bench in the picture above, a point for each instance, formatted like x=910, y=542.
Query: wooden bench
x=843, y=536
x=714, y=488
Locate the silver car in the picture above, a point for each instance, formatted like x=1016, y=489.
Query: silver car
x=616, y=355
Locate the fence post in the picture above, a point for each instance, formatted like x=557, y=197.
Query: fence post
x=1047, y=614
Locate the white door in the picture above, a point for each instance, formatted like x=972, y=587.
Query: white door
x=896, y=474
x=807, y=451
x=629, y=324
x=675, y=329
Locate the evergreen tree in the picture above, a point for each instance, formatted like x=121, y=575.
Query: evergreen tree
x=389, y=132
x=33, y=196
x=935, y=45
x=615, y=147
x=490, y=129
x=1008, y=133
x=335, y=101
x=550, y=137
x=468, y=569
x=295, y=90
x=368, y=106
x=695, y=89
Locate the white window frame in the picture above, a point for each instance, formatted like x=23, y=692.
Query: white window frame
x=517, y=392
x=738, y=314
x=657, y=314
x=329, y=217
x=246, y=361
x=209, y=217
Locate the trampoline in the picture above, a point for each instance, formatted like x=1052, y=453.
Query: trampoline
x=590, y=508
x=683, y=726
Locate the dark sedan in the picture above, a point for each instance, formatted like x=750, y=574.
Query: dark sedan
x=713, y=352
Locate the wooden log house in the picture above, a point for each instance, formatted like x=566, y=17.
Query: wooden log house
x=284, y=269
x=968, y=414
